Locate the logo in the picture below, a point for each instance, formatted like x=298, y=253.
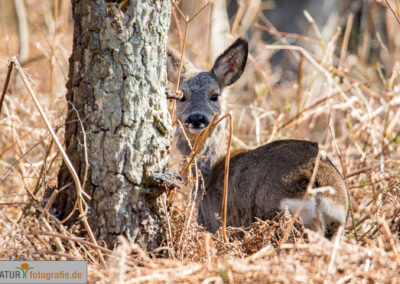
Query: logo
x=43, y=271
x=24, y=268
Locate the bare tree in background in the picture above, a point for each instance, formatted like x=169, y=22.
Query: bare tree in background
x=117, y=80
x=23, y=33
x=209, y=32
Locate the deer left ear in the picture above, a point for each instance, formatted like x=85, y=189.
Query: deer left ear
x=173, y=59
x=229, y=66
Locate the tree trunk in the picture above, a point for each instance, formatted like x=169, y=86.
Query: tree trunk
x=117, y=81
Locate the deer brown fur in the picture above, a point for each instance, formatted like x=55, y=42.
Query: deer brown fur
x=262, y=181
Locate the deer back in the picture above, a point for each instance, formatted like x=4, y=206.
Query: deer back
x=265, y=180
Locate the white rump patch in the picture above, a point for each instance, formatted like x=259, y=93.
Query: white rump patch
x=327, y=209
x=335, y=211
x=308, y=212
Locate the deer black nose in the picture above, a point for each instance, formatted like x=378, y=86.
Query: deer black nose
x=197, y=121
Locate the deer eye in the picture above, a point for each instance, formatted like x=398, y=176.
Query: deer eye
x=183, y=98
x=214, y=97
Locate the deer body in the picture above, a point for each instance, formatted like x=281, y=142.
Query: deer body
x=271, y=177
x=262, y=181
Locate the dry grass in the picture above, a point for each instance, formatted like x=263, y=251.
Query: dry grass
x=350, y=106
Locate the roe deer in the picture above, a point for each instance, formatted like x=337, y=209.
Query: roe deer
x=261, y=181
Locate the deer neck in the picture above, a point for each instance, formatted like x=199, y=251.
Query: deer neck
x=212, y=150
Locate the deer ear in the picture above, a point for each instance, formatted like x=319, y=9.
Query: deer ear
x=173, y=59
x=229, y=66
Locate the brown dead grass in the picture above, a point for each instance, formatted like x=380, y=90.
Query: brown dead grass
x=364, y=119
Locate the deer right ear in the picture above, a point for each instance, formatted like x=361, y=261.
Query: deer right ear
x=173, y=59
x=229, y=66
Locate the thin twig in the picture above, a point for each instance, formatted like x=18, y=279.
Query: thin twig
x=13, y=203
x=86, y=165
x=345, y=181
x=312, y=60
x=84, y=146
x=182, y=46
x=177, y=23
x=170, y=194
x=345, y=41
x=265, y=79
x=393, y=11
x=335, y=249
x=197, y=145
x=48, y=205
x=90, y=244
x=192, y=200
x=164, y=204
x=238, y=17
x=285, y=34
x=299, y=84
x=389, y=236
x=226, y=179
x=360, y=171
x=303, y=200
x=6, y=82
x=63, y=153
x=65, y=255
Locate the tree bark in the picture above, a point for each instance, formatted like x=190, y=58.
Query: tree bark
x=117, y=81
